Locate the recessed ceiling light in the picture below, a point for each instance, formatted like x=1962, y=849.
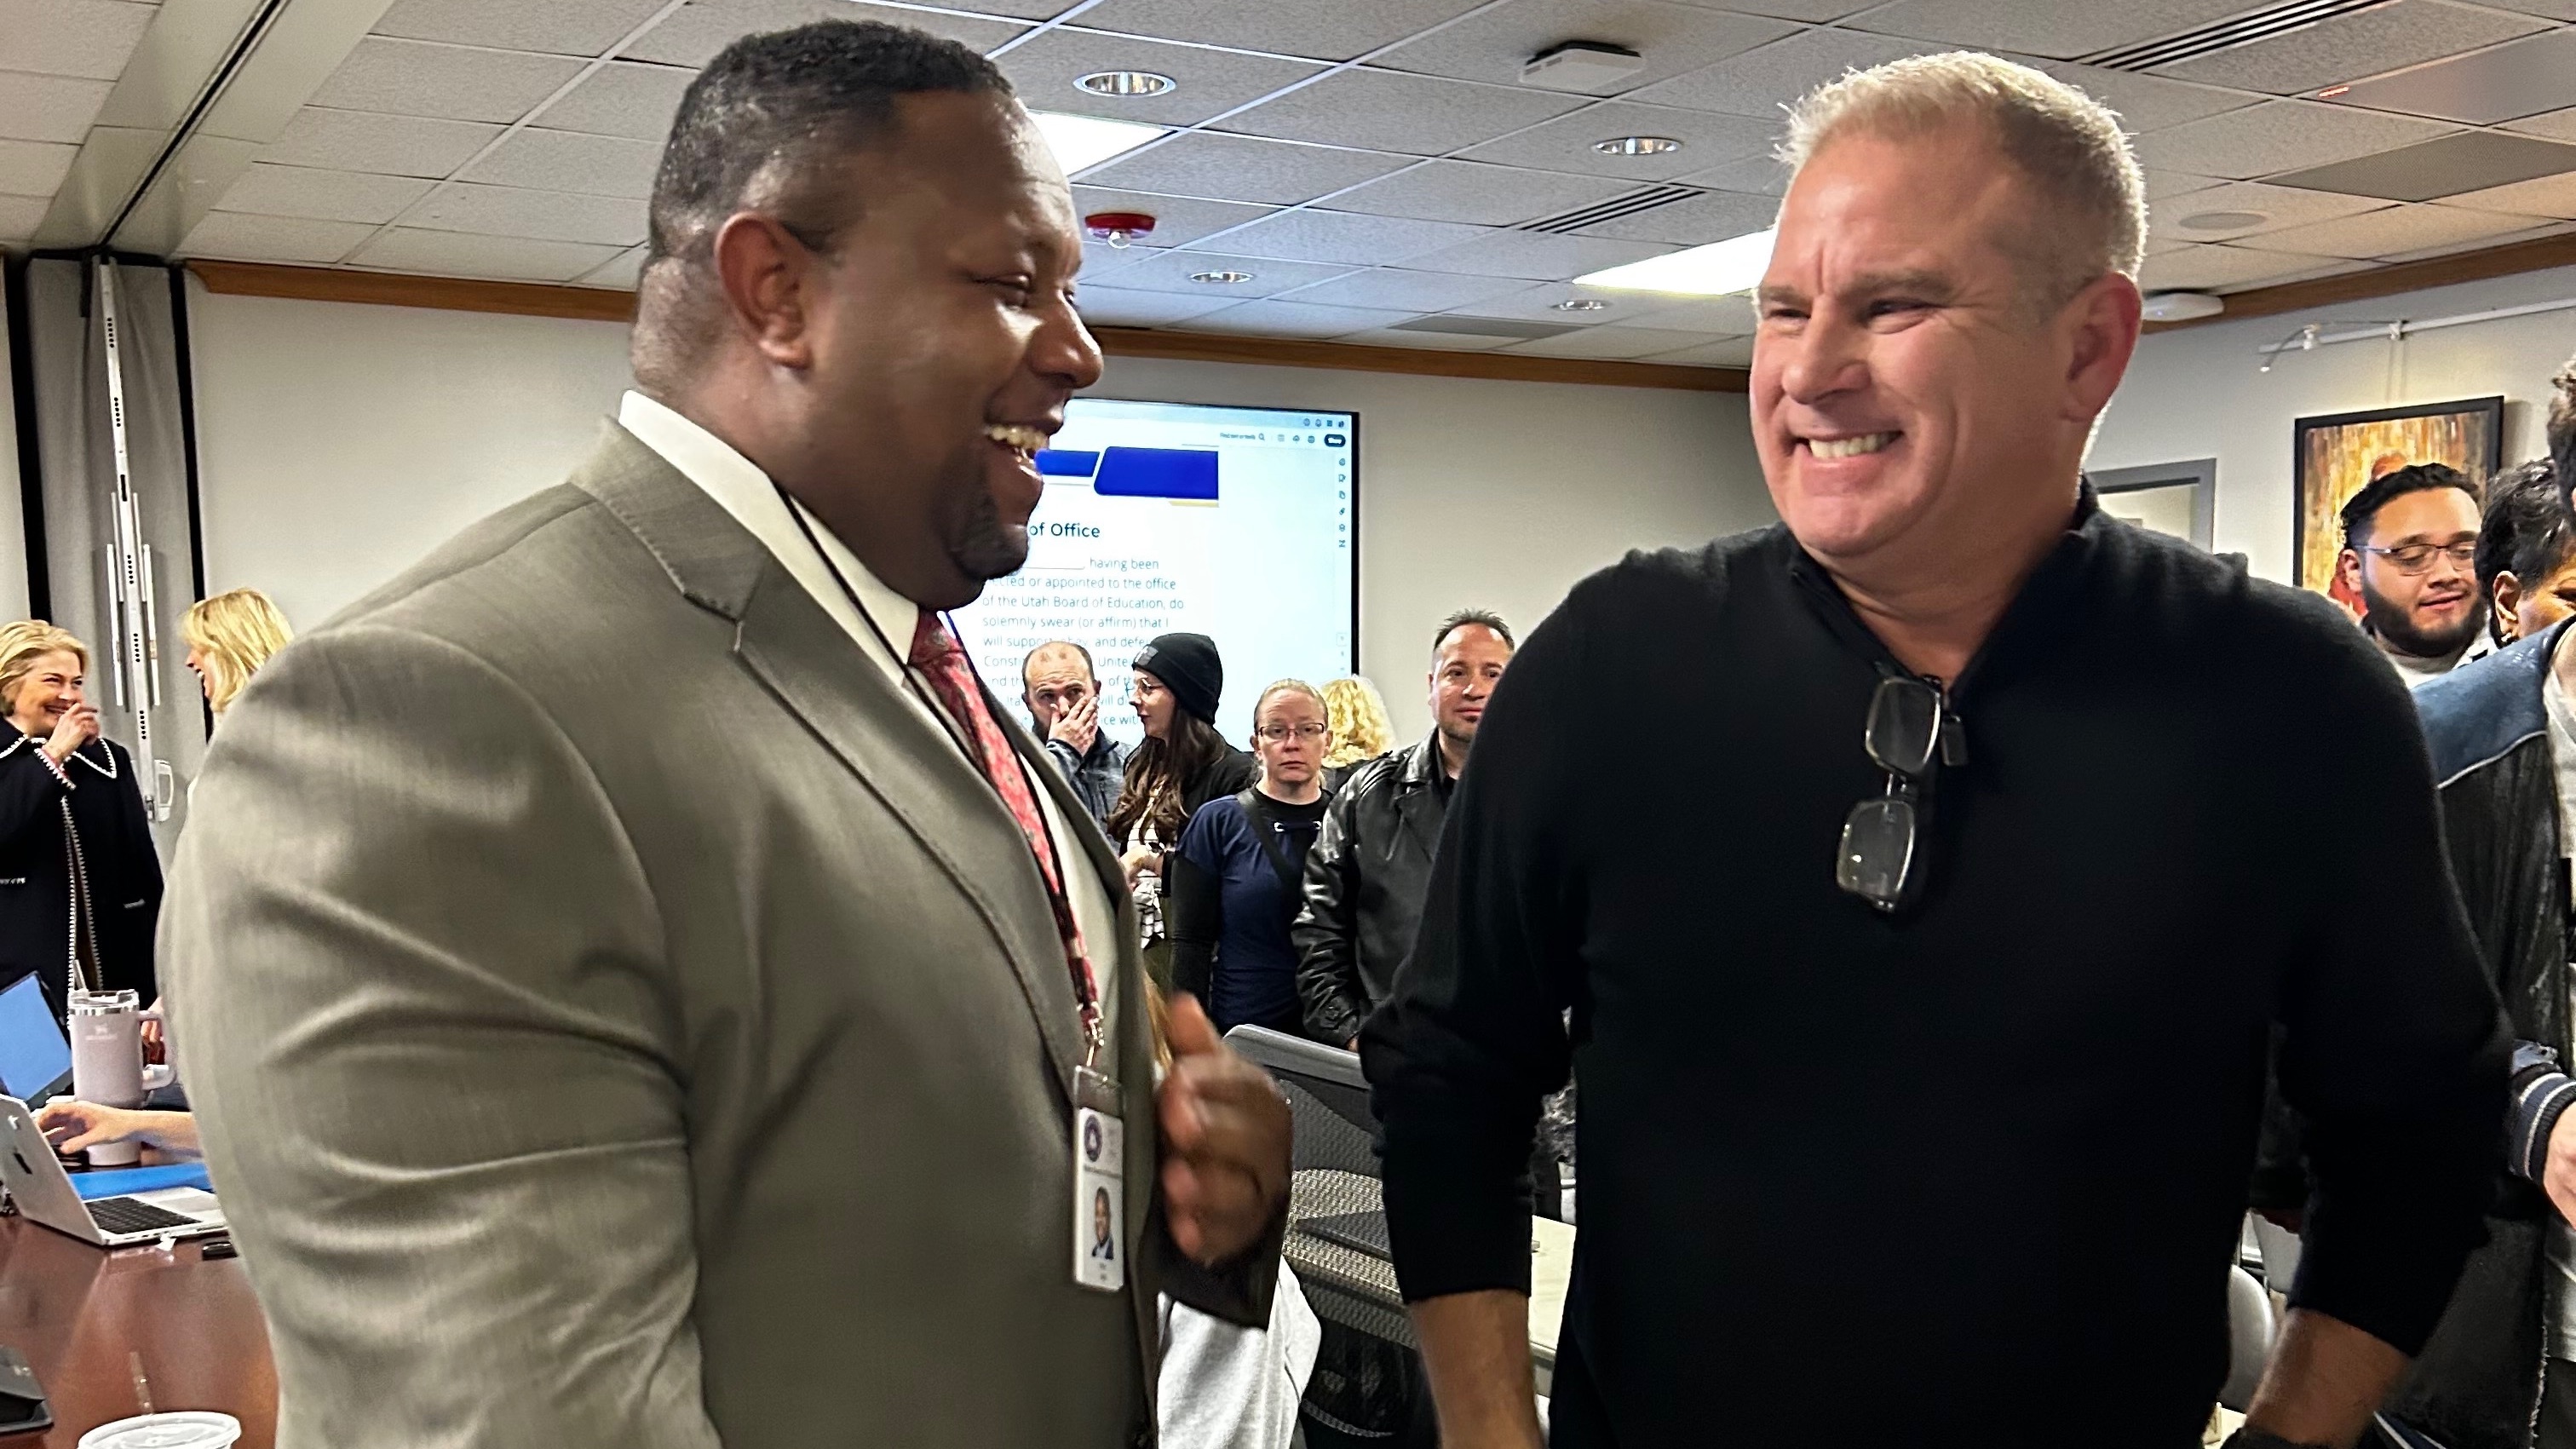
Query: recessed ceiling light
x=1081, y=142
x=1220, y=279
x=1127, y=83
x=1637, y=146
x=1582, y=304
x=1733, y=265
x=2222, y=220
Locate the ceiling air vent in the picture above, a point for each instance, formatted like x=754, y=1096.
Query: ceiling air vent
x=2245, y=29
x=1615, y=208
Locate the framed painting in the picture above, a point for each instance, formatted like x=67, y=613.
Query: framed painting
x=2334, y=457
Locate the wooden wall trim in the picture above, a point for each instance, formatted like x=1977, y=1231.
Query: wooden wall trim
x=389, y=289
x=2477, y=266
x=599, y=304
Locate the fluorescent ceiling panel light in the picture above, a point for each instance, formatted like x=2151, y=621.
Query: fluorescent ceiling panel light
x=1082, y=142
x=1715, y=270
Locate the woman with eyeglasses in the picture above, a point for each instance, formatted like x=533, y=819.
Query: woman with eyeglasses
x=1236, y=879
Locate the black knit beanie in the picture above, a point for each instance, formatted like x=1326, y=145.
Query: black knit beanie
x=1189, y=667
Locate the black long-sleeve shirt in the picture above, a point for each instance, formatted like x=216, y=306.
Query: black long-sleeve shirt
x=1972, y=1173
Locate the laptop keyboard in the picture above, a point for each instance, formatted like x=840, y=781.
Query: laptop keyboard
x=125, y=1215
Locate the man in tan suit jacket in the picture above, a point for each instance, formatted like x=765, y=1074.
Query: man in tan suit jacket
x=623, y=1006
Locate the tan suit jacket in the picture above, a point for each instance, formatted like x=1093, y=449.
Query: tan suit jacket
x=618, y=1018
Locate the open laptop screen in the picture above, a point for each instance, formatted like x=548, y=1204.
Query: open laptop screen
x=34, y=1054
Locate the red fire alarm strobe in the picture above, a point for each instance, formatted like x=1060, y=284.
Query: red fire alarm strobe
x=1118, y=228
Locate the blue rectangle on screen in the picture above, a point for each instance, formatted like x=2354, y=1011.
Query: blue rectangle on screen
x=1157, y=473
x=1066, y=463
x=34, y=1053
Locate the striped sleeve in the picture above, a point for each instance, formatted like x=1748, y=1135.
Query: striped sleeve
x=2540, y=1093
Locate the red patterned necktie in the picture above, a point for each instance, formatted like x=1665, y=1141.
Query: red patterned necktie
x=936, y=654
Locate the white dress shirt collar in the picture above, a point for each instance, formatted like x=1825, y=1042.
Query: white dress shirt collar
x=741, y=489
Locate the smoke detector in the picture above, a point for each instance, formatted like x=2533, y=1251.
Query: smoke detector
x=1118, y=228
x=1582, y=67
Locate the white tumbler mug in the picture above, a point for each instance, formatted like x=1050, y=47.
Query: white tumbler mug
x=107, y=1062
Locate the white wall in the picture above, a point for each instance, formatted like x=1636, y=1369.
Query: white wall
x=13, y=513
x=2197, y=392
x=337, y=443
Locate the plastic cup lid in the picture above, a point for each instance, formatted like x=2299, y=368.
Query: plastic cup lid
x=187, y=1429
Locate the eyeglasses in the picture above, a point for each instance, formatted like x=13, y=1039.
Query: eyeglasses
x=1909, y=725
x=2416, y=558
x=1275, y=733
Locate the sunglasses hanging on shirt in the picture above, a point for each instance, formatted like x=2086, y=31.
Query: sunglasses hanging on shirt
x=1910, y=730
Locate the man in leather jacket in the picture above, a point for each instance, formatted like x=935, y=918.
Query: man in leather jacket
x=2497, y=1373
x=1370, y=865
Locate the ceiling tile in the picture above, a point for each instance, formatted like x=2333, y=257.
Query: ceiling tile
x=2145, y=102
x=1171, y=271
x=1669, y=38
x=1241, y=168
x=1537, y=255
x=2278, y=207
x=1294, y=319
x=2279, y=136
x=457, y=83
x=545, y=160
x=1119, y=307
x=1178, y=220
x=557, y=27
x=1565, y=144
x=2475, y=244
x=1021, y=9
x=2161, y=184
x=1341, y=236
x=1612, y=342
x=2059, y=31
x=1813, y=11
x=1761, y=175
x=696, y=31
x=1539, y=304
x=1488, y=195
x=1713, y=217
x=366, y=141
x=2390, y=229
x=550, y=215
x=2220, y=268
x=2547, y=196
x=1425, y=341
x=1323, y=29
x=1410, y=291
x=20, y=215
x=455, y=254
x=86, y=38
x=1390, y=111
x=1733, y=352
x=2349, y=47
x=2554, y=9
x=2479, y=87
x=1759, y=82
x=49, y=107
x=34, y=168
x=624, y=271
x=239, y=237
x=2445, y=166
x=271, y=190
x=619, y=99
x=1099, y=259
x=1208, y=83
x=2557, y=125
x=1723, y=316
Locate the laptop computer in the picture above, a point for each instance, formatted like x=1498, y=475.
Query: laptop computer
x=43, y=1192
x=35, y=1056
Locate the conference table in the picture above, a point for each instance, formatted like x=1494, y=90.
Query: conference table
x=84, y=1316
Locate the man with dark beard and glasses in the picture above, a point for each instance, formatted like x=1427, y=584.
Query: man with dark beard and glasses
x=676, y=1005
x=2410, y=542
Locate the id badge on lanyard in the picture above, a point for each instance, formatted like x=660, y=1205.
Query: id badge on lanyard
x=1099, y=1183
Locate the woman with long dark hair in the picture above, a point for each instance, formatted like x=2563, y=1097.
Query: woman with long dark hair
x=1182, y=764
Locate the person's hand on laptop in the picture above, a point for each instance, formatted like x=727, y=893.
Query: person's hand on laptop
x=77, y=1126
